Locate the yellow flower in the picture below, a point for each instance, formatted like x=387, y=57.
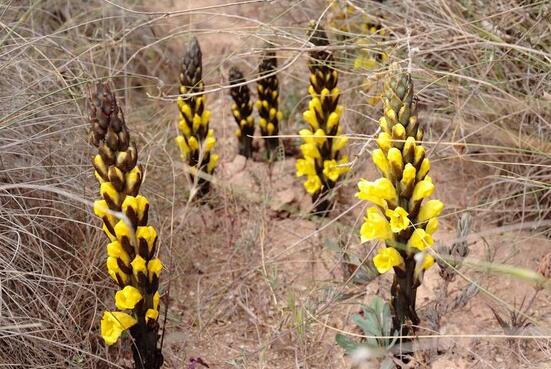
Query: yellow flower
x=205, y=117
x=115, y=250
x=154, y=268
x=196, y=122
x=423, y=189
x=109, y=193
x=310, y=118
x=310, y=150
x=398, y=219
x=317, y=138
x=312, y=184
x=383, y=123
x=333, y=120
x=193, y=144
x=122, y=230
x=395, y=160
x=428, y=261
x=386, y=259
x=408, y=177
x=146, y=235
x=378, y=192
x=419, y=154
x=100, y=208
x=156, y=299
x=99, y=164
x=133, y=179
x=420, y=239
x=424, y=169
x=184, y=127
x=398, y=132
x=127, y=298
x=381, y=162
x=114, y=270
x=430, y=209
x=113, y=324
x=432, y=226
x=212, y=162
x=306, y=167
x=384, y=141
x=210, y=142
x=184, y=108
x=138, y=205
x=151, y=314
x=375, y=227
x=138, y=265
x=339, y=142
x=331, y=170
x=315, y=106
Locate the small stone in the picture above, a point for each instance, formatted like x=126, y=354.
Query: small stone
x=282, y=198
x=236, y=166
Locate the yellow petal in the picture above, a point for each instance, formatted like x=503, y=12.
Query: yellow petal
x=156, y=299
x=213, y=161
x=306, y=167
x=148, y=234
x=312, y=184
x=115, y=250
x=310, y=150
x=423, y=189
x=384, y=141
x=375, y=227
x=430, y=209
x=331, y=170
x=428, y=261
x=398, y=219
x=138, y=265
x=386, y=259
x=113, y=324
x=381, y=162
x=151, y=314
x=127, y=298
x=432, y=226
x=378, y=192
x=154, y=268
x=420, y=239
x=423, y=169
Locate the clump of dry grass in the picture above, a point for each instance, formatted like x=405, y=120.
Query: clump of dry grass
x=51, y=265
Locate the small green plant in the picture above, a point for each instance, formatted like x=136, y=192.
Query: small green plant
x=376, y=324
x=322, y=163
x=132, y=259
x=268, y=102
x=400, y=217
x=196, y=140
x=242, y=111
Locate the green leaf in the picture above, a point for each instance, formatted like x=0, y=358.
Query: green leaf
x=346, y=343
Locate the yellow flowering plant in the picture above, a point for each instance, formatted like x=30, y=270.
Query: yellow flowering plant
x=132, y=260
x=196, y=140
x=364, y=31
x=242, y=111
x=401, y=216
x=267, y=104
x=323, y=140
